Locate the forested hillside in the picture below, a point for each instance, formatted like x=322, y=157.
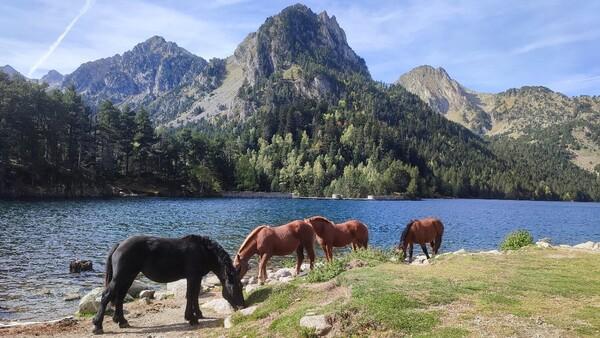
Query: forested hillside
x=302, y=115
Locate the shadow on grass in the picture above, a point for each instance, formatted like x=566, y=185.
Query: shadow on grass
x=259, y=296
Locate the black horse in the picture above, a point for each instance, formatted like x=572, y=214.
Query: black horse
x=166, y=260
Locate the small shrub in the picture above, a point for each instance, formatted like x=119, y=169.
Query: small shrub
x=516, y=240
x=327, y=271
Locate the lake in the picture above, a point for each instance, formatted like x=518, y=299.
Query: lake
x=39, y=238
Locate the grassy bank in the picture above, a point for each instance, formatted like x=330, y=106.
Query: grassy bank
x=549, y=292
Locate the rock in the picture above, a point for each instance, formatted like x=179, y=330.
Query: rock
x=492, y=252
x=219, y=306
x=543, y=244
x=252, y=280
x=319, y=323
x=589, y=245
x=285, y=272
x=148, y=294
x=137, y=287
x=286, y=279
x=71, y=296
x=211, y=280
x=564, y=246
x=228, y=323
x=128, y=298
x=461, y=251
x=249, y=310
x=76, y=266
x=251, y=287
x=162, y=295
x=145, y=300
x=91, y=301
x=244, y=281
x=178, y=288
x=597, y=246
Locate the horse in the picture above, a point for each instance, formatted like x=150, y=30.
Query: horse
x=166, y=260
x=281, y=240
x=330, y=235
x=426, y=230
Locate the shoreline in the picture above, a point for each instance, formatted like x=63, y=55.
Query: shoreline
x=278, y=264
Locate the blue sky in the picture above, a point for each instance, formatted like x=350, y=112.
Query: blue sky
x=486, y=45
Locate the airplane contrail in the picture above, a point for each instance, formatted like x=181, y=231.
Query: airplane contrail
x=84, y=9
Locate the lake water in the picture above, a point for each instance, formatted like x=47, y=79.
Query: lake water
x=38, y=239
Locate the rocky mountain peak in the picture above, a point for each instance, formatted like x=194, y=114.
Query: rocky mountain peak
x=53, y=78
x=297, y=36
x=8, y=69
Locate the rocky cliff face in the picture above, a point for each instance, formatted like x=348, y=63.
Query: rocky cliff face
x=535, y=113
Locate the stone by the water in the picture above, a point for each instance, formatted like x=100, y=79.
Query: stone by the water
x=251, y=287
x=227, y=322
x=319, y=323
x=91, y=301
x=219, y=306
x=149, y=294
x=589, y=245
x=249, y=310
x=72, y=296
x=76, y=266
x=137, y=287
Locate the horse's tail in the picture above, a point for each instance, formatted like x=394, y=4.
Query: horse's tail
x=109, y=270
x=405, y=233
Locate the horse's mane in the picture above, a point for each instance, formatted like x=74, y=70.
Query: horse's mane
x=406, y=230
x=252, y=234
x=222, y=256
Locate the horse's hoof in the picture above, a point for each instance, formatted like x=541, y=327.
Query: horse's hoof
x=124, y=325
x=98, y=330
x=194, y=322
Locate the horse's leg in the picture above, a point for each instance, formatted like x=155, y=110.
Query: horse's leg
x=299, y=258
x=119, y=297
x=189, y=298
x=107, y=296
x=410, y=252
x=424, y=248
x=330, y=252
x=354, y=246
x=438, y=243
x=197, y=311
x=310, y=249
x=263, y=267
x=324, y=247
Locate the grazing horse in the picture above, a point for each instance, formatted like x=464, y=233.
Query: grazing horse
x=423, y=231
x=282, y=240
x=330, y=235
x=166, y=260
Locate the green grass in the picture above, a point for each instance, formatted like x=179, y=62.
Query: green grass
x=386, y=298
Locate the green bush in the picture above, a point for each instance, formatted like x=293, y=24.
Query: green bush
x=516, y=240
x=327, y=271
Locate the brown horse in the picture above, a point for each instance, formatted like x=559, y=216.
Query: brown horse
x=423, y=231
x=282, y=240
x=330, y=235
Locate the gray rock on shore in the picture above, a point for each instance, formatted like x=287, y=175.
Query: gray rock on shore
x=319, y=323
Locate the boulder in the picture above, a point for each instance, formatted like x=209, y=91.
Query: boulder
x=251, y=287
x=91, y=301
x=137, y=287
x=252, y=280
x=318, y=323
x=249, y=310
x=543, y=244
x=219, y=306
x=285, y=272
x=589, y=245
x=597, y=246
x=162, y=295
x=286, y=279
x=228, y=323
x=76, y=266
x=211, y=280
x=178, y=288
x=148, y=294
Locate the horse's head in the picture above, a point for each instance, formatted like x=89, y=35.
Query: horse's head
x=403, y=238
x=232, y=289
x=241, y=265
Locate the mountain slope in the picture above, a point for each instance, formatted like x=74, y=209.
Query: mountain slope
x=8, y=69
x=53, y=78
x=146, y=75
x=530, y=114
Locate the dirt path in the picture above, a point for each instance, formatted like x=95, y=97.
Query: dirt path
x=160, y=318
